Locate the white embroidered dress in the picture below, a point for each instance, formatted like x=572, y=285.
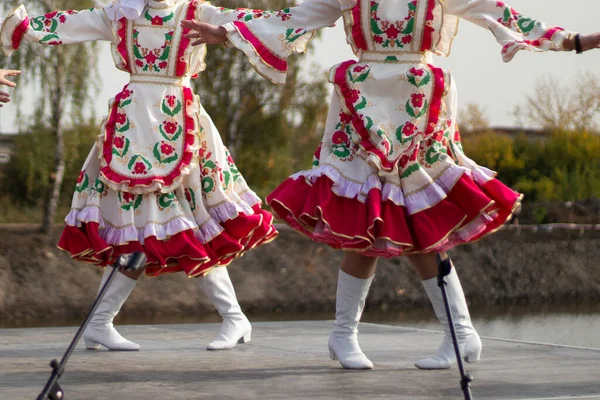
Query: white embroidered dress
x=390, y=177
x=159, y=178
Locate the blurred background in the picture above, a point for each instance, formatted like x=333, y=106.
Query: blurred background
x=536, y=121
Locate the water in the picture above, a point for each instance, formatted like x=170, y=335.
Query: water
x=576, y=325
x=573, y=325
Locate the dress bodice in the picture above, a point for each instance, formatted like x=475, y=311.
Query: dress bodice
x=154, y=46
x=400, y=26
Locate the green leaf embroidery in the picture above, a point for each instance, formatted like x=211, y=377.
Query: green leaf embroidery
x=375, y=26
x=409, y=27
x=49, y=37
x=507, y=14
x=362, y=104
x=362, y=77
x=168, y=111
x=125, y=127
x=207, y=184
x=408, y=171
x=166, y=199
x=83, y=185
x=526, y=24
x=210, y=164
x=432, y=155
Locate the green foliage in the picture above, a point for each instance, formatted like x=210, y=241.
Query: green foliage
x=563, y=167
x=28, y=175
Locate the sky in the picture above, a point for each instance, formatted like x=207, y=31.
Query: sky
x=475, y=63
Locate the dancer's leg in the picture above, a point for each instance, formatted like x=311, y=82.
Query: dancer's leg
x=468, y=339
x=354, y=279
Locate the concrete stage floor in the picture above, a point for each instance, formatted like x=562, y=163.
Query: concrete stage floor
x=287, y=360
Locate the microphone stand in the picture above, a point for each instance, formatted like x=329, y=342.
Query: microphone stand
x=444, y=268
x=52, y=390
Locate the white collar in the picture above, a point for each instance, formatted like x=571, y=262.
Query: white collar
x=130, y=9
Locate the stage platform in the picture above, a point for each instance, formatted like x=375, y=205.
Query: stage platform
x=287, y=360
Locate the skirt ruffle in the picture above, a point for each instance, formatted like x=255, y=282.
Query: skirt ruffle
x=373, y=218
x=97, y=243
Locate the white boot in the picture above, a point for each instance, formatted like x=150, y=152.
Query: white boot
x=100, y=330
x=235, y=327
x=468, y=340
x=350, y=301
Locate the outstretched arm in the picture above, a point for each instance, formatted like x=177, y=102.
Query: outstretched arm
x=267, y=37
x=5, y=97
x=55, y=28
x=515, y=31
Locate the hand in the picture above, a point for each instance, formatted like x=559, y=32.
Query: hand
x=589, y=42
x=4, y=98
x=204, y=33
x=8, y=72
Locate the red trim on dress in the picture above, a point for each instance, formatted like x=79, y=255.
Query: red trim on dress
x=382, y=228
x=19, y=32
x=185, y=42
x=535, y=43
x=435, y=103
x=122, y=45
x=263, y=52
x=180, y=252
x=357, y=121
x=357, y=32
x=428, y=29
x=186, y=157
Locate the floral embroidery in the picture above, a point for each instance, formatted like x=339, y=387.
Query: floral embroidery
x=393, y=34
x=157, y=20
x=83, y=182
x=139, y=165
x=418, y=76
x=129, y=200
x=167, y=200
x=358, y=74
x=171, y=129
x=154, y=60
x=190, y=196
x=164, y=152
x=210, y=169
x=100, y=188
x=48, y=23
x=121, y=144
x=317, y=156
x=511, y=17
x=417, y=105
x=291, y=35
x=341, y=144
x=231, y=175
x=244, y=14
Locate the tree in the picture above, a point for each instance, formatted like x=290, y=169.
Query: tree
x=64, y=76
x=270, y=130
x=557, y=106
x=472, y=119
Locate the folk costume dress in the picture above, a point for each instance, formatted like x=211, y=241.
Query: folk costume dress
x=390, y=177
x=158, y=179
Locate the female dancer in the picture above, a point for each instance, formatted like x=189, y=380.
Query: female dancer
x=390, y=177
x=158, y=179
x=5, y=97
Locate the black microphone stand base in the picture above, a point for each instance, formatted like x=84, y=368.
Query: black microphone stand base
x=52, y=390
x=444, y=268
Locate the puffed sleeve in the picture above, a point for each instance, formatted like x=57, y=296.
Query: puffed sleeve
x=513, y=30
x=269, y=37
x=55, y=28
